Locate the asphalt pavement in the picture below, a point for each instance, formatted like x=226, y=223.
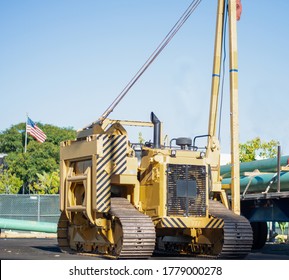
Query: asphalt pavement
x=47, y=249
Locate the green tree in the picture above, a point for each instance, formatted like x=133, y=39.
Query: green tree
x=48, y=183
x=282, y=226
x=255, y=148
x=40, y=158
x=9, y=183
x=12, y=139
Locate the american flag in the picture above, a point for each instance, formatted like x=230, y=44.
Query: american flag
x=33, y=130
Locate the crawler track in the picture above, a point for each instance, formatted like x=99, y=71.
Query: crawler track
x=134, y=232
x=234, y=241
x=62, y=233
x=238, y=235
x=138, y=232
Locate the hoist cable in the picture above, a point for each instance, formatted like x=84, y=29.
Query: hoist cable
x=149, y=61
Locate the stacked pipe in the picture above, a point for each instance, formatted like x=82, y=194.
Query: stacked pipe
x=265, y=174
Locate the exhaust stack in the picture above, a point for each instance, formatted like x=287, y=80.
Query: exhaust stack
x=157, y=131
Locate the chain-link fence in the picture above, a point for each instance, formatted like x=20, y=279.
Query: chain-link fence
x=40, y=208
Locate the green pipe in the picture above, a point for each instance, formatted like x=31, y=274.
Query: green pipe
x=260, y=182
x=28, y=225
x=264, y=165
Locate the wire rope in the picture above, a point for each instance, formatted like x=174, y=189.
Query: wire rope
x=150, y=60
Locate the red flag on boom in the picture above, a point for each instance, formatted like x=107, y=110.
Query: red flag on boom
x=239, y=9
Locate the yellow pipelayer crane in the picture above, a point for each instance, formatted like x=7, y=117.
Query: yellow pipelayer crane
x=120, y=201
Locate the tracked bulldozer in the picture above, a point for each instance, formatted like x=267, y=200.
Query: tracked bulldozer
x=125, y=200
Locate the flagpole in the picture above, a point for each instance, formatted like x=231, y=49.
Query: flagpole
x=25, y=146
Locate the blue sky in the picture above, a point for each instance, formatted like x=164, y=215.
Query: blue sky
x=64, y=61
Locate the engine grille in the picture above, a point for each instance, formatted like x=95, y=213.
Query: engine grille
x=186, y=185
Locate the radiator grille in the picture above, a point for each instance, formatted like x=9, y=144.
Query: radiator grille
x=186, y=190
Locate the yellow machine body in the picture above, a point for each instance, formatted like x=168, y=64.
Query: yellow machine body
x=123, y=200
x=126, y=201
